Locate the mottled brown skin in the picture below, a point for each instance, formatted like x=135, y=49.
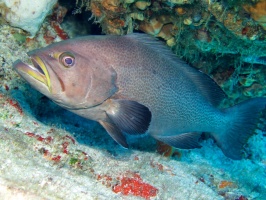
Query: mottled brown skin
x=113, y=75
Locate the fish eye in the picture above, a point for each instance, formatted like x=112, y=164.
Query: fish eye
x=67, y=59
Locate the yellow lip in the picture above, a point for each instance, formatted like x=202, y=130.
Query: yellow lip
x=39, y=76
x=37, y=71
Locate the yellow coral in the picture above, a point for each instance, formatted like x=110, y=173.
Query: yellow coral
x=142, y=5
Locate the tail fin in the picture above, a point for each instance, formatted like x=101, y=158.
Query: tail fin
x=242, y=123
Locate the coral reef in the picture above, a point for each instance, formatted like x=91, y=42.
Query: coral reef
x=63, y=155
x=258, y=12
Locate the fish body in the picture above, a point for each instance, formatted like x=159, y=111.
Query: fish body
x=133, y=84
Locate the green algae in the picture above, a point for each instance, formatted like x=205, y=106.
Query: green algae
x=20, y=38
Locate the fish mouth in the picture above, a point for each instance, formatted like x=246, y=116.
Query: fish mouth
x=35, y=69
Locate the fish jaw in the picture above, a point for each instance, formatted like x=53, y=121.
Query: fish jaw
x=35, y=73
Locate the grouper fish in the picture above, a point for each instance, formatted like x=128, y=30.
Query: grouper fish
x=133, y=84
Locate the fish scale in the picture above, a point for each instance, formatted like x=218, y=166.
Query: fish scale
x=171, y=95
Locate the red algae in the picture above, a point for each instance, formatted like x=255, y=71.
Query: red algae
x=46, y=153
x=40, y=138
x=46, y=140
x=48, y=37
x=71, y=138
x=106, y=180
x=86, y=157
x=6, y=87
x=30, y=134
x=55, y=30
x=135, y=186
x=56, y=158
x=65, y=146
x=242, y=198
x=15, y=105
x=59, y=31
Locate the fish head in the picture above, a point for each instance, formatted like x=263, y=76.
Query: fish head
x=70, y=73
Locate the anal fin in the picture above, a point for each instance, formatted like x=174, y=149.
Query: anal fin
x=115, y=133
x=182, y=141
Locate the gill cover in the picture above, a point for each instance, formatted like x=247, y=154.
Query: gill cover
x=103, y=82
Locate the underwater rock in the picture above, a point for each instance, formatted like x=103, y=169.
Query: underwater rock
x=24, y=14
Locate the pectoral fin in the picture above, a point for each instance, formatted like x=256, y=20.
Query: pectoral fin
x=182, y=141
x=129, y=116
x=115, y=133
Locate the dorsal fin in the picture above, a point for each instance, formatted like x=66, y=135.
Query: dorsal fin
x=207, y=86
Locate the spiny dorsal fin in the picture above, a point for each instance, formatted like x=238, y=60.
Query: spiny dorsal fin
x=208, y=87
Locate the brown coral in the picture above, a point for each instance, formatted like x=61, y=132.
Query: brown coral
x=258, y=12
x=152, y=27
x=112, y=5
x=155, y=24
x=95, y=9
x=168, y=32
x=161, y=26
x=225, y=184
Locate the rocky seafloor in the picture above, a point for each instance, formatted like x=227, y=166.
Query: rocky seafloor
x=47, y=152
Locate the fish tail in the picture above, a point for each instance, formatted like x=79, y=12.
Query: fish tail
x=242, y=122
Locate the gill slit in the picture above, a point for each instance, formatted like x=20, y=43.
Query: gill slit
x=89, y=88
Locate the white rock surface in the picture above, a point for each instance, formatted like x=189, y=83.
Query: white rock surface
x=26, y=14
